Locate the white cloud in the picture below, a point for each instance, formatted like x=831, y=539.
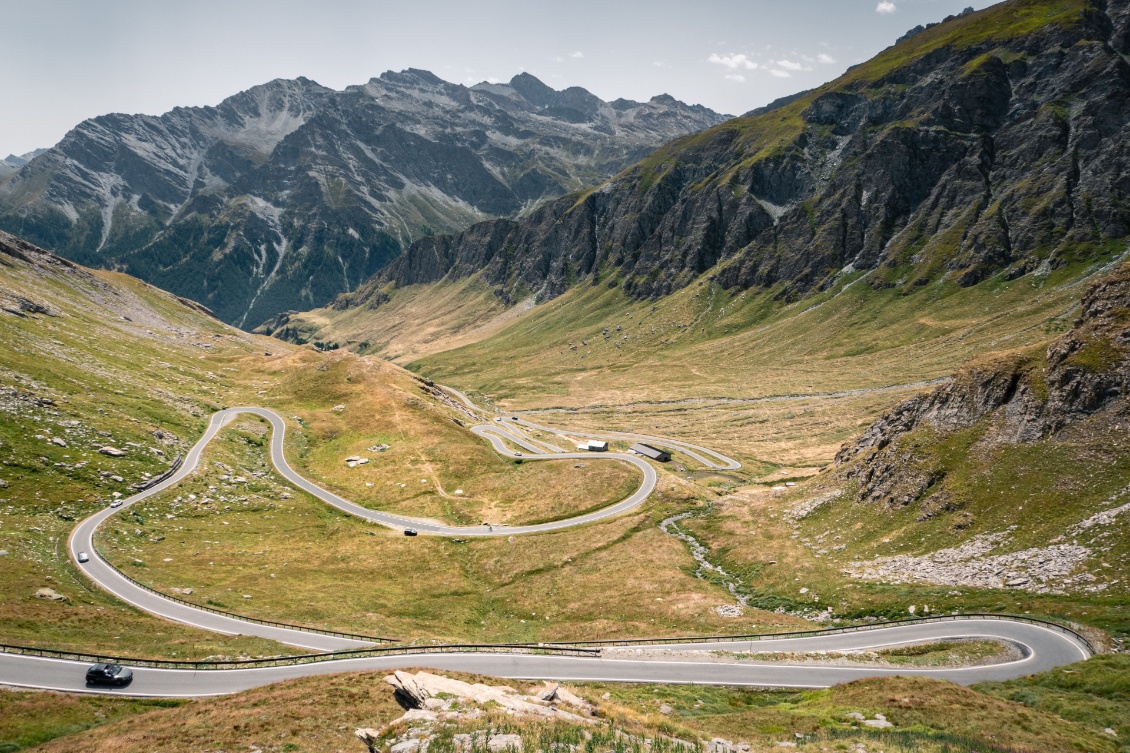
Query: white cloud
x=735, y=77
x=789, y=65
x=885, y=6
x=781, y=74
x=733, y=61
x=825, y=58
x=576, y=55
x=557, y=59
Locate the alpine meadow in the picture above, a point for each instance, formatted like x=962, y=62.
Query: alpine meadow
x=448, y=413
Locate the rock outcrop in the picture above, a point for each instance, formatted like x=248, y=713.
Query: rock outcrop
x=429, y=692
x=1023, y=397
x=993, y=143
x=289, y=193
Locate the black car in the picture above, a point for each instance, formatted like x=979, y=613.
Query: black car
x=409, y=532
x=109, y=674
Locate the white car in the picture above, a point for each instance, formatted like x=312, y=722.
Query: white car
x=116, y=503
x=83, y=557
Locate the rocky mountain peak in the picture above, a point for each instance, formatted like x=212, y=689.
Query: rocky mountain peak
x=533, y=90
x=290, y=192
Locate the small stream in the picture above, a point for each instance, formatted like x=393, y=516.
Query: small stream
x=670, y=527
x=707, y=569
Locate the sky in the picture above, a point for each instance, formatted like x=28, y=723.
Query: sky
x=68, y=60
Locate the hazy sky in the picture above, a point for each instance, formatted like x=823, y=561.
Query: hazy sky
x=66, y=60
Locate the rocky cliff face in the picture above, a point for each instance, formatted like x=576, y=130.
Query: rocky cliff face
x=286, y=194
x=994, y=142
x=1018, y=398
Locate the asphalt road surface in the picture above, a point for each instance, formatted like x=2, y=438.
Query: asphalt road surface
x=1043, y=649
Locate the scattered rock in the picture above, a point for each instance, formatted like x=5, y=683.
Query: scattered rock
x=407, y=691
x=59, y=441
x=1039, y=570
x=879, y=722
x=339, y=408
x=370, y=736
x=184, y=591
x=666, y=709
x=498, y=743
x=113, y=452
x=50, y=594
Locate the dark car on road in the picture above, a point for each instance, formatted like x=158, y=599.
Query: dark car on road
x=409, y=531
x=109, y=674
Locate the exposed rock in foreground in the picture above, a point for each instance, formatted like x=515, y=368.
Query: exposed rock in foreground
x=437, y=705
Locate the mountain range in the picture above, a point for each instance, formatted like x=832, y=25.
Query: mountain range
x=13, y=162
x=289, y=193
x=991, y=144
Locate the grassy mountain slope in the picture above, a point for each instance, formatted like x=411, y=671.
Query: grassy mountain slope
x=1005, y=489
x=94, y=359
x=990, y=145
x=992, y=255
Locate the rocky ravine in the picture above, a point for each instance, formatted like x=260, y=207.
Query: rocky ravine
x=289, y=193
x=994, y=141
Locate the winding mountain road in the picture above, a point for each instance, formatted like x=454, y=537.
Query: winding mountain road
x=1041, y=647
x=113, y=581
